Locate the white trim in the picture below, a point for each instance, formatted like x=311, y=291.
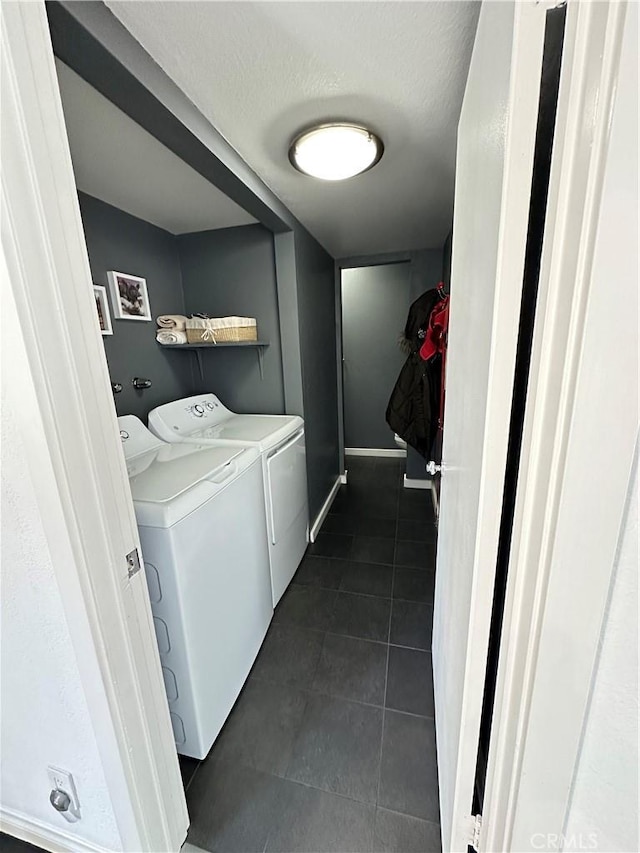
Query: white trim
x=48, y=837
x=326, y=506
x=343, y=477
x=413, y=483
x=337, y=283
x=374, y=451
x=435, y=501
x=543, y=681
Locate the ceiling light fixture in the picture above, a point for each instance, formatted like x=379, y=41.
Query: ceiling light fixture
x=333, y=152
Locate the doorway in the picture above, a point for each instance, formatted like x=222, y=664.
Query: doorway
x=375, y=301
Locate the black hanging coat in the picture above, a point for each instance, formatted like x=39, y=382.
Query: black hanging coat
x=413, y=408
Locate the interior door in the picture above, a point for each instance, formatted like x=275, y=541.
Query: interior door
x=496, y=138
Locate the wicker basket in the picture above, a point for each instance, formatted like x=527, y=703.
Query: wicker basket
x=216, y=330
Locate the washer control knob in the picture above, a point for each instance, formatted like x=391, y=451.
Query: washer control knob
x=198, y=411
x=210, y=405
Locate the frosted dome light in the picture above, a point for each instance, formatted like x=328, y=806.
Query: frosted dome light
x=333, y=152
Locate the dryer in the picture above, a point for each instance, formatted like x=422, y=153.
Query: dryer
x=280, y=440
x=201, y=518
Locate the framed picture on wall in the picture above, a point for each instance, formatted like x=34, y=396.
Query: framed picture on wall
x=102, y=308
x=129, y=296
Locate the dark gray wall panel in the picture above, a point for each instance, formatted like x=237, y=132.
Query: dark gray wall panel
x=375, y=300
x=118, y=241
x=284, y=245
x=232, y=271
x=316, y=309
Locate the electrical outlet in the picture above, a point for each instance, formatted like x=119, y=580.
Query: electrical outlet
x=62, y=780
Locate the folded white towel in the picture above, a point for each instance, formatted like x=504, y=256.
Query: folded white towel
x=172, y=321
x=171, y=337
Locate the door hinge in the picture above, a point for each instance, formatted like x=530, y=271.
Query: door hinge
x=474, y=827
x=133, y=563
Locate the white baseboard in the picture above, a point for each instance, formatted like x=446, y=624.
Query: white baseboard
x=326, y=506
x=374, y=451
x=42, y=835
x=410, y=483
x=343, y=477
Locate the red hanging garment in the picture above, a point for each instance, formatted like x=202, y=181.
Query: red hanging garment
x=435, y=343
x=436, y=332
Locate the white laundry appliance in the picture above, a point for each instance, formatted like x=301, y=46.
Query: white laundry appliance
x=201, y=518
x=280, y=439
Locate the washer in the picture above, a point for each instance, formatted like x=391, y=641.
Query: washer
x=201, y=518
x=280, y=439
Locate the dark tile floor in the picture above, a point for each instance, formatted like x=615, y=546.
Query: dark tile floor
x=331, y=745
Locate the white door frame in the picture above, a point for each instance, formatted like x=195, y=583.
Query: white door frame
x=569, y=507
x=83, y=493
x=465, y=573
x=543, y=682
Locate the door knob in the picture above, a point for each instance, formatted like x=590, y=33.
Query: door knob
x=432, y=468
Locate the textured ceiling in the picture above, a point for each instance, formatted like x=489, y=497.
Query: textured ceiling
x=116, y=160
x=261, y=71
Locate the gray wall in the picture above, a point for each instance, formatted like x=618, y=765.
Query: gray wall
x=284, y=245
x=374, y=311
x=232, y=271
x=426, y=273
x=118, y=241
x=317, y=324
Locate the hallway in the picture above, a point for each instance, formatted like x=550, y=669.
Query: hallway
x=331, y=745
